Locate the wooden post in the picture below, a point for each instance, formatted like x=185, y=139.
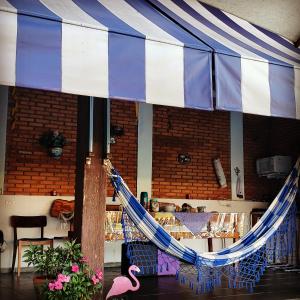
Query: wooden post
x=90, y=190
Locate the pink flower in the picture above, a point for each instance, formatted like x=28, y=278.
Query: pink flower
x=95, y=279
x=99, y=274
x=58, y=285
x=63, y=278
x=75, y=268
x=51, y=286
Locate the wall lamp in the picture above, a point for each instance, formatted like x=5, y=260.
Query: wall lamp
x=115, y=131
x=184, y=159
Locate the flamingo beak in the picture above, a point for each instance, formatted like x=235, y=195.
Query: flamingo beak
x=137, y=269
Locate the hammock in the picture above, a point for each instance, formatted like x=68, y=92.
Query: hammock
x=242, y=264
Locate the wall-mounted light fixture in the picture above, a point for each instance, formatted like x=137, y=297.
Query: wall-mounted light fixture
x=115, y=131
x=184, y=158
x=54, y=141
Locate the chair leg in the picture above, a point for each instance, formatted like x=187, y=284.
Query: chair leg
x=14, y=257
x=19, y=258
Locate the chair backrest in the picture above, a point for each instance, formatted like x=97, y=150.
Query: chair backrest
x=28, y=222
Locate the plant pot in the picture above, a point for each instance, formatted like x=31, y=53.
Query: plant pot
x=55, y=152
x=38, y=282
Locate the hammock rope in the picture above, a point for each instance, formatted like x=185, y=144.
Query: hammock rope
x=242, y=263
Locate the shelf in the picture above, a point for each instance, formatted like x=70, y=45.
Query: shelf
x=219, y=225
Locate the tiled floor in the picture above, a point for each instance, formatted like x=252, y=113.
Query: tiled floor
x=275, y=285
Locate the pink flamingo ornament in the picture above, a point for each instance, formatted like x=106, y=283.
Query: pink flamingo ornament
x=123, y=284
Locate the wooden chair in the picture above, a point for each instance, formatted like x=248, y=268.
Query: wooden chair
x=27, y=222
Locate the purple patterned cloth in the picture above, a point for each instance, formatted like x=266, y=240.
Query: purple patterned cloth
x=167, y=264
x=195, y=222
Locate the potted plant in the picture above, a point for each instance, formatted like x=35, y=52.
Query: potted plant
x=54, y=141
x=65, y=272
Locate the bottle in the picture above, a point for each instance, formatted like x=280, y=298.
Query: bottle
x=144, y=199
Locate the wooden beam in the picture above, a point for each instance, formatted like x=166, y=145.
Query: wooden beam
x=90, y=190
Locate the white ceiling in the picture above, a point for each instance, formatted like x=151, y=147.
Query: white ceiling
x=279, y=16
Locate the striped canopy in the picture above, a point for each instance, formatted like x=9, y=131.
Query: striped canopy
x=256, y=71
x=155, y=51
x=111, y=49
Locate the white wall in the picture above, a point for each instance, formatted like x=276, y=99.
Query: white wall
x=144, y=163
x=26, y=206
x=236, y=153
x=201, y=245
x=39, y=205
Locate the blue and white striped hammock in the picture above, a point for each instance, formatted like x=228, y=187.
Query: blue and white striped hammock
x=244, y=261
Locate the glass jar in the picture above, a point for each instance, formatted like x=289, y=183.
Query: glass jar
x=154, y=205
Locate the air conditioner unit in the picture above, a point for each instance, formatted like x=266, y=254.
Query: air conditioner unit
x=274, y=167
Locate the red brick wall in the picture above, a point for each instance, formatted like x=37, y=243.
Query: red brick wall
x=29, y=170
x=265, y=137
x=124, y=151
x=204, y=136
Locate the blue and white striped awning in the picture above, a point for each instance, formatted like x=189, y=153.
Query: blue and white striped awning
x=256, y=71
x=155, y=51
x=112, y=49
